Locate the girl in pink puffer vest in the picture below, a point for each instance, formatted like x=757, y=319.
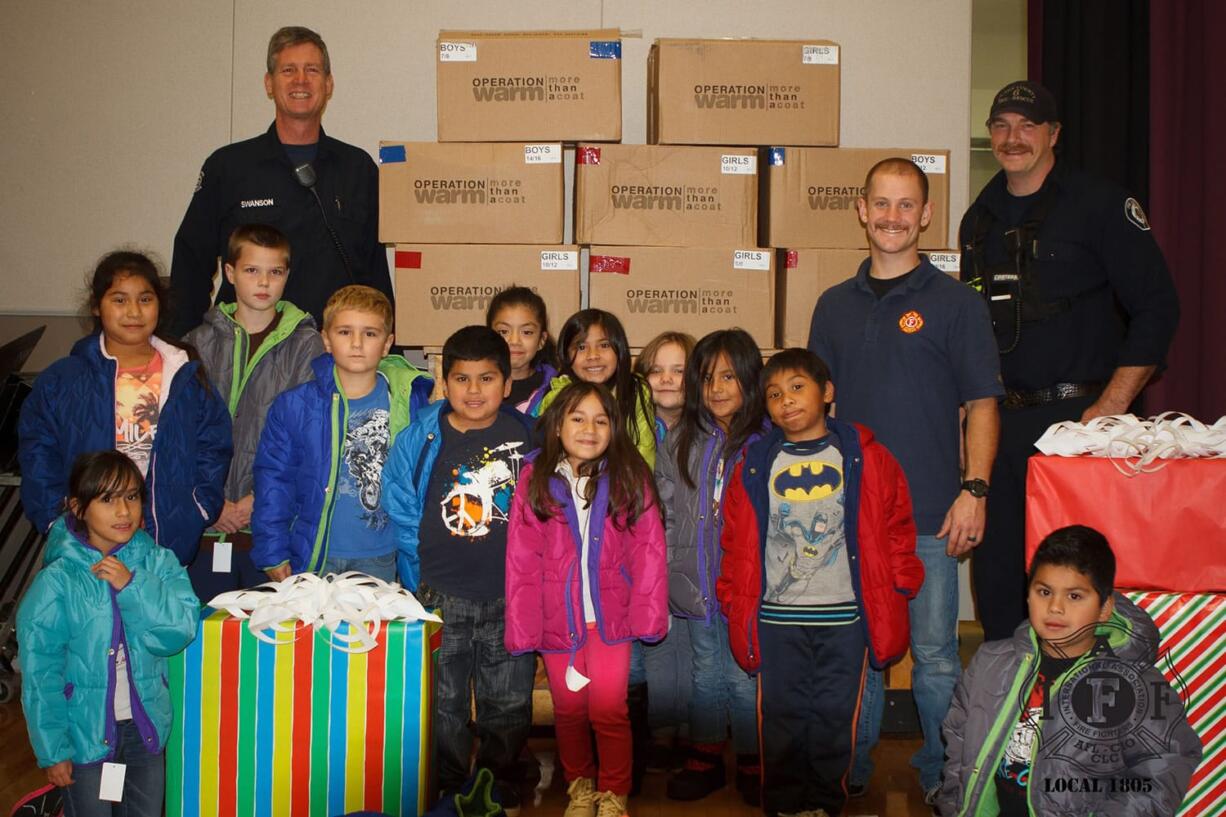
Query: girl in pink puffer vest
x=586, y=575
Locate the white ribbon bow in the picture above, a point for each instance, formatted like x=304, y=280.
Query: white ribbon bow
x=1134, y=445
x=359, y=601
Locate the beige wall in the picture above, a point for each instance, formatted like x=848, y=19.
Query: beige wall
x=110, y=107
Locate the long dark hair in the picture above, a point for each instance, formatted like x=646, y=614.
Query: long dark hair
x=631, y=487
x=746, y=360
x=102, y=474
x=522, y=296
x=632, y=393
x=122, y=263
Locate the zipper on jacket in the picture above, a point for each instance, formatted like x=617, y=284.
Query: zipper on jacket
x=140, y=717
x=1038, y=738
x=153, y=507
x=236, y=368
x=336, y=449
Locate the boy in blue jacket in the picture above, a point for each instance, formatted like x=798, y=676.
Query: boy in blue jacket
x=450, y=480
x=318, y=470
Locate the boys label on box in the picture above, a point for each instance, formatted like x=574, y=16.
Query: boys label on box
x=457, y=52
x=559, y=259
x=818, y=55
x=929, y=162
x=543, y=154
x=738, y=165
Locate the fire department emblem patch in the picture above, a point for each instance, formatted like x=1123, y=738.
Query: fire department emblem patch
x=911, y=322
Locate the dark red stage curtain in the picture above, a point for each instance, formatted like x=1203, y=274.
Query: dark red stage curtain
x=1187, y=172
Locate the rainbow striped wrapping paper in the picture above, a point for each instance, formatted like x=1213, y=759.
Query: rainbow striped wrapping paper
x=300, y=728
x=1192, y=628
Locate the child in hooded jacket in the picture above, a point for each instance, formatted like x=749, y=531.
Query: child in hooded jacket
x=127, y=388
x=586, y=575
x=94, y=632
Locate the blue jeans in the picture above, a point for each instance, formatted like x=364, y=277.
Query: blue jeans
x=934, y=649
x=722, y=692
x=473, y=662
x=665, y=668
x=144, y=781
x=381, y=567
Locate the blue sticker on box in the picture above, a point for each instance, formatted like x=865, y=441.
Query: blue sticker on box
x=777, y=157
x=605, y=49
x=389, y=154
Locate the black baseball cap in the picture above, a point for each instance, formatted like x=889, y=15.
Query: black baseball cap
x=1030, y=99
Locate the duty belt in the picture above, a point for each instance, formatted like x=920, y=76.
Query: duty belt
x=1061, y=391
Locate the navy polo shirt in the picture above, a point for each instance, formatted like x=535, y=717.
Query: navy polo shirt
x=902, y=365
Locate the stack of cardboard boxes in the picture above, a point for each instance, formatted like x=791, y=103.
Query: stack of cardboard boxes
x=740, y=211
x=483, y=208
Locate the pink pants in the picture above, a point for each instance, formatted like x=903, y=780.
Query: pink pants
x=599, y=706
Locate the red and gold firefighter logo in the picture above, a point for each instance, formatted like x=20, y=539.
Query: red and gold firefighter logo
x=911, y=322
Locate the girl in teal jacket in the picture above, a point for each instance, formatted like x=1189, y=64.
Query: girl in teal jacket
x=94, y=631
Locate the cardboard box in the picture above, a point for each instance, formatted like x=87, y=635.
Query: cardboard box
x=442, y=287
x=694, y=289
x=804, y=274
x=521, y=86
x=810, y=198
x=453, y=193
x=743, y=92
x=657, y=195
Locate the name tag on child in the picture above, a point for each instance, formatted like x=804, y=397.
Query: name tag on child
x=221, y=556
x=112, y=782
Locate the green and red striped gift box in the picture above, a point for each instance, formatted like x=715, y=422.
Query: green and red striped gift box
x=1192, y=656
x=298, y=727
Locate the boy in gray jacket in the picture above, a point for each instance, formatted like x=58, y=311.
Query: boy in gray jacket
x=252, y=350
x=1070, y=716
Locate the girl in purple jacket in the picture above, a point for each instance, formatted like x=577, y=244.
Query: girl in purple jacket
x=586, y=575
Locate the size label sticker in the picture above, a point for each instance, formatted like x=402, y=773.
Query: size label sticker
x=457, y=52
x=542, y=154
x=950, y=262
x=932, y=163
x=817, y=55
x=751, y=259
x=559, y=259
x=738, y=165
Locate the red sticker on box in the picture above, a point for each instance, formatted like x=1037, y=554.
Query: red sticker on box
x=408, y=259
x=609, y=263
x=793, y=259
x=587, y=155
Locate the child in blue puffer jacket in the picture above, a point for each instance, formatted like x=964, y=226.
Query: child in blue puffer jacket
x=127, y=388
x=94, y=631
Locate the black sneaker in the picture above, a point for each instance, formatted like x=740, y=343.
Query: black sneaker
x=856, y=790
x=749, y=779
x=703, y=774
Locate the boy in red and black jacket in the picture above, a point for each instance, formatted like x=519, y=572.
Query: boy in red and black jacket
x=819, y=564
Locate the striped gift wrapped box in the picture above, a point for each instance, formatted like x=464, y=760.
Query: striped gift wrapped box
x=1192, y=656
x=299, y=727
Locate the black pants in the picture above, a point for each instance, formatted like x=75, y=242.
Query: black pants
x=809, y=685
x=998, y=567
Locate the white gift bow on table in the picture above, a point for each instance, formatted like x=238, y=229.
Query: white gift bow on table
x=1136, y=445
x=359, y=601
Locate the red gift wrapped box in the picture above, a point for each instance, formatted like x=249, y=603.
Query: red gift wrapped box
x=1167, y=528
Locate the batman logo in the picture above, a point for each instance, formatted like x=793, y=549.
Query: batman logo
x=807, y=481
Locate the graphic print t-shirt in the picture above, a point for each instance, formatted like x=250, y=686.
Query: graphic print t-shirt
x=360, y=526
x=806, y=548
x=462, y=541
x=1013, y=775
x=137, y=408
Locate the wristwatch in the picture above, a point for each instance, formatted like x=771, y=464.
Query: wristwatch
x=977, y=488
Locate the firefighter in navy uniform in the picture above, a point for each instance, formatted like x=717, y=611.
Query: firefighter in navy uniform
x=329, y=210
x=1083, y=309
